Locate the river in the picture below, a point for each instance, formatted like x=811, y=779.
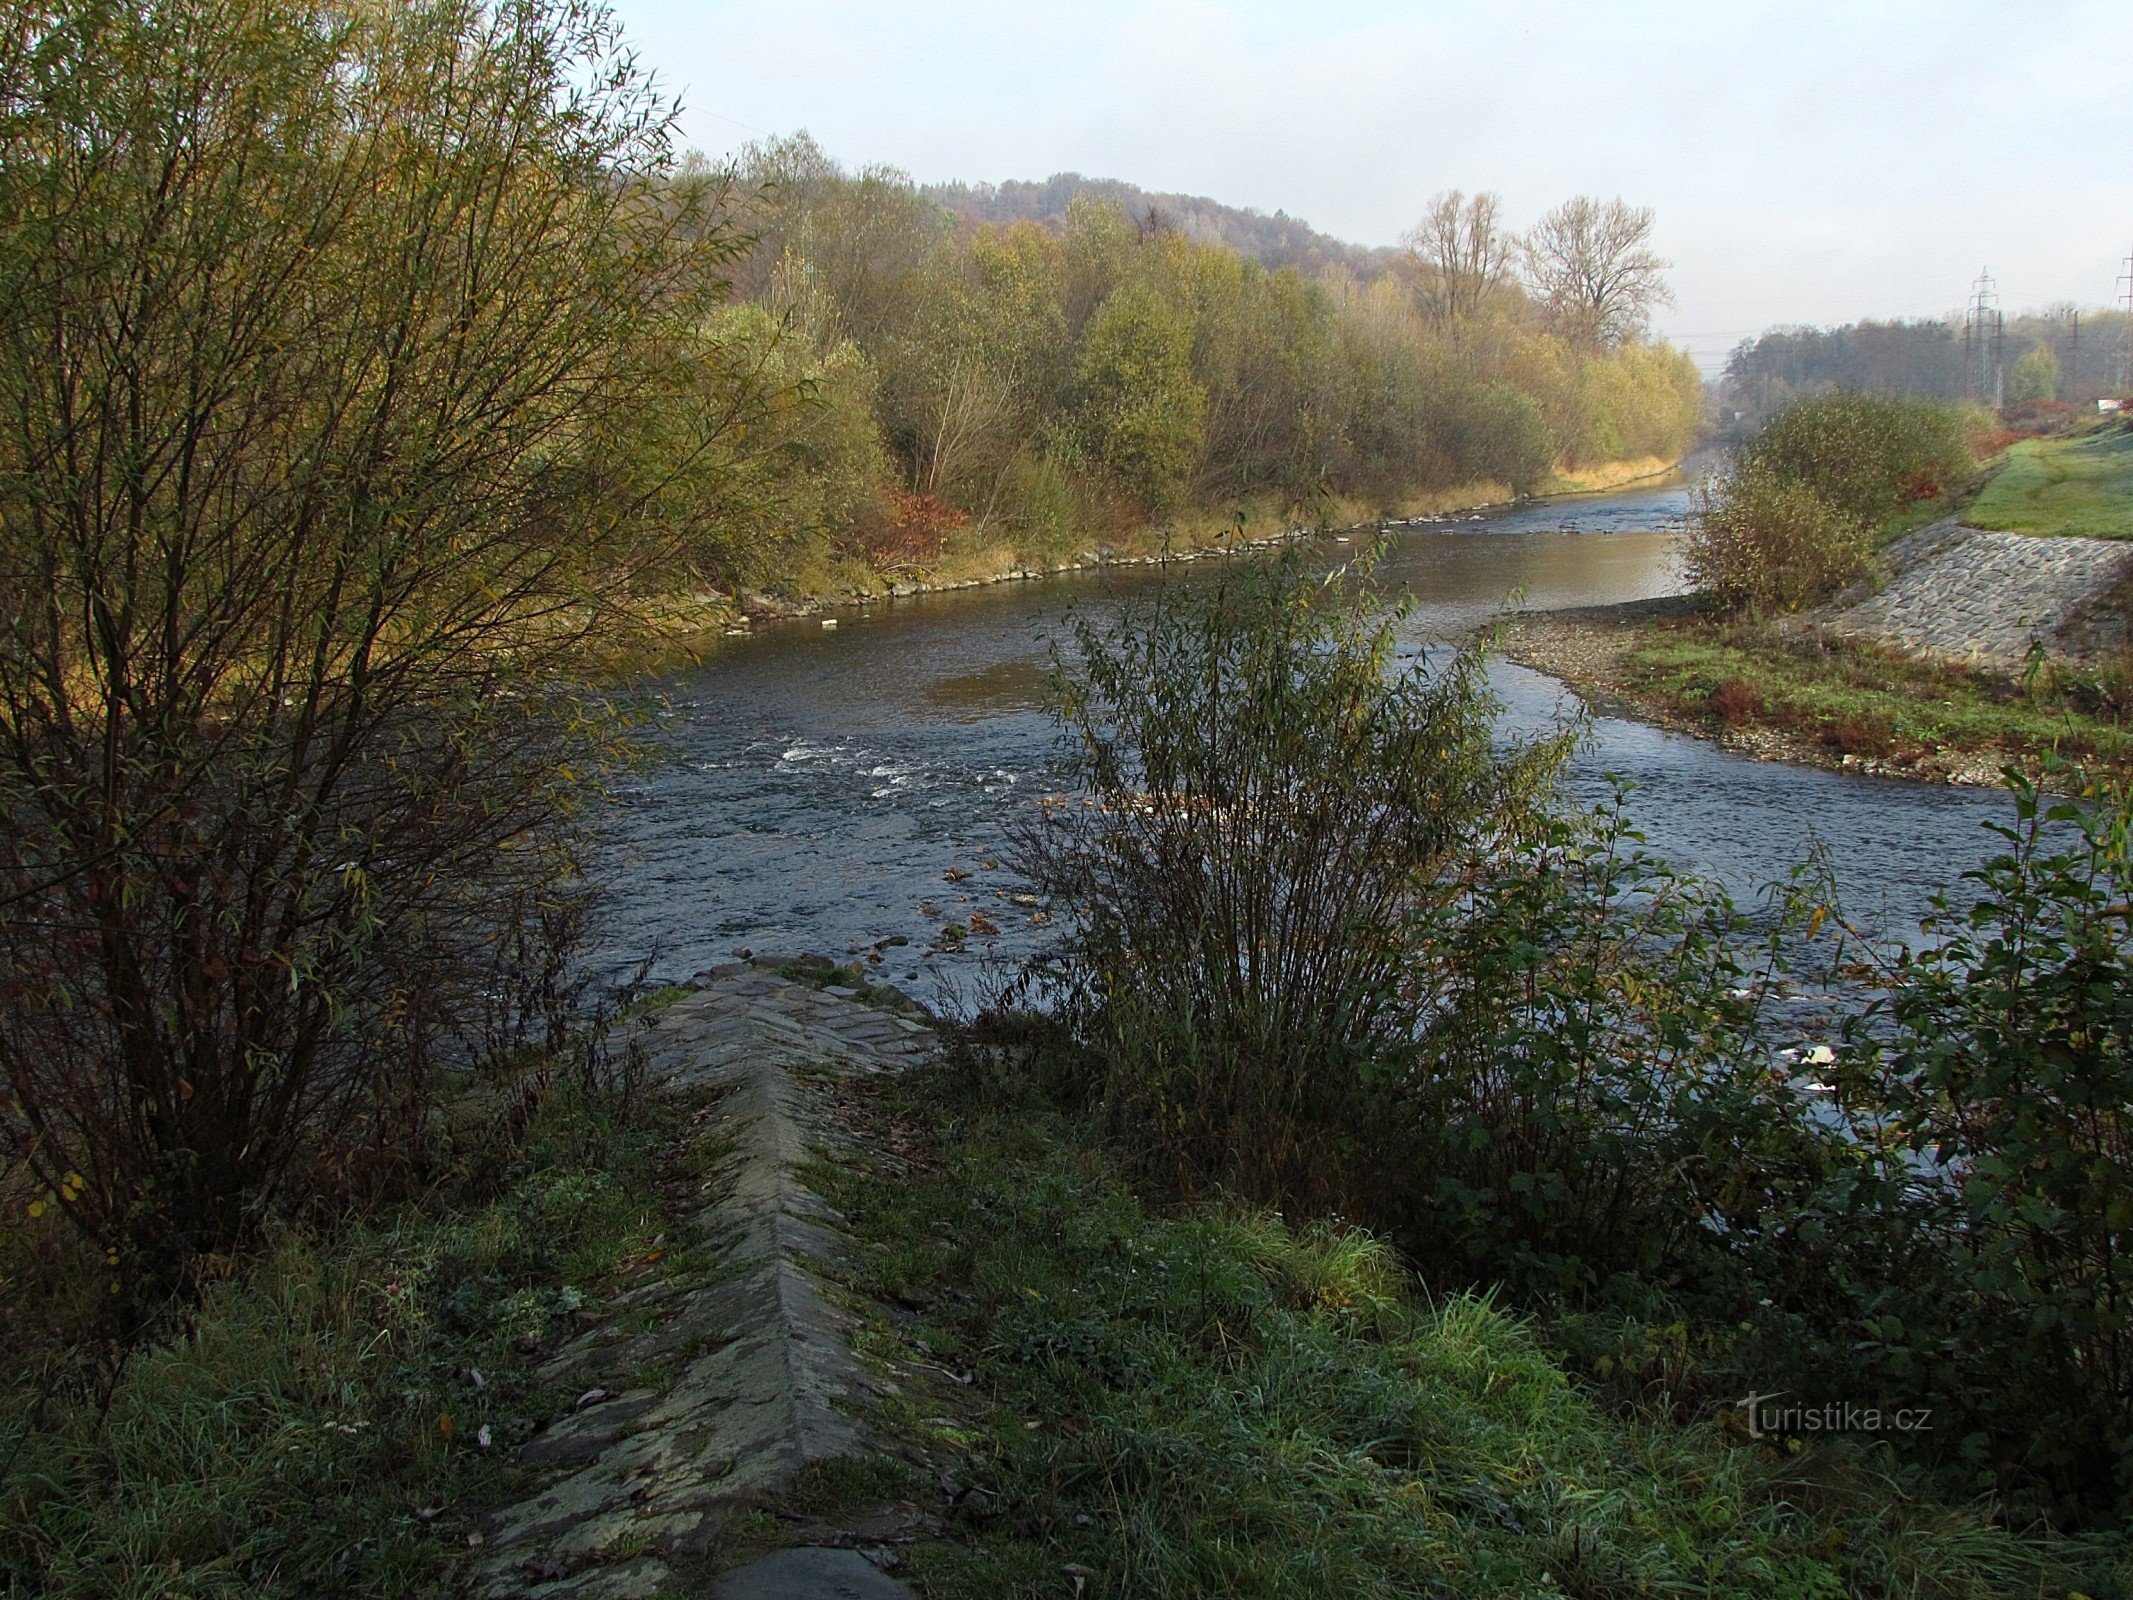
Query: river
x=815, y=786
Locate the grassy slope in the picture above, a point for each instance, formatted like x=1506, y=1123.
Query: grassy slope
x=1211, y=1403
x=318, y=1429
x=2081, y=485
x=1850, y=697
x=1202, y=1403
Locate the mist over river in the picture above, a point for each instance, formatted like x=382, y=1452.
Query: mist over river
x=814, y=786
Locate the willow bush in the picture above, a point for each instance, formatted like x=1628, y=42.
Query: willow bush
x=1263, y=804
x=1795, y=515
x=335, y=342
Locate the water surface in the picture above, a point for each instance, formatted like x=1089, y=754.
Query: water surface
x=816, y=786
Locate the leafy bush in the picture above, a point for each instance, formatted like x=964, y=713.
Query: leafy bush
x=1794, y=516
x=1765, y=541
x=1264, y=803
x=1497, y=435
x=1589, y=1113
x=2007, y=1081
x=1866, y=456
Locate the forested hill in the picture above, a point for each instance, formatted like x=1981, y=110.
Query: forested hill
x=1274, y=241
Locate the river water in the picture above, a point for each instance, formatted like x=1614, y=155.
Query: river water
x=815, y=786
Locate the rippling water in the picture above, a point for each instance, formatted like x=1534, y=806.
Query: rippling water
x=815, y=786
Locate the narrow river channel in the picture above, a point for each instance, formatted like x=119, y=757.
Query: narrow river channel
x=815, y=786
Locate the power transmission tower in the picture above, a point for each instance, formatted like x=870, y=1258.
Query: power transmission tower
x=1984, y=334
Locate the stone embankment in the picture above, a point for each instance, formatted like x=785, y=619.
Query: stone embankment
x=1986, y=599
x=714, y=1385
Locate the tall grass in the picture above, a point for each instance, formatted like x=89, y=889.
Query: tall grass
x=1222, y=1403
x=331, y=1416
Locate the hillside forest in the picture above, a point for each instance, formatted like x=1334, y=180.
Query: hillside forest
x=946, y=388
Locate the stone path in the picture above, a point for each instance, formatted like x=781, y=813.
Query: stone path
x=1983, y=597
x=715, y=1386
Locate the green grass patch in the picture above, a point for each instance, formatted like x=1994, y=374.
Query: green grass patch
x=2081, y=486
x=315, y=1426
x=1216, y=1403
x=1852, y=697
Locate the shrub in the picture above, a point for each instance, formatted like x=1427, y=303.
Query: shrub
x=908, y=533
x=1866, y=456
x=1736, y=702
x=2008, y=1078
x=2030, y=419
x=1768, y=542
x=1493, y=434
x=1263, y=803
x=1589, y=1114
x=364, y=315
x=1794, y=516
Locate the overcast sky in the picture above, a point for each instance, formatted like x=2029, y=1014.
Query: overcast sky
x=1809, y=162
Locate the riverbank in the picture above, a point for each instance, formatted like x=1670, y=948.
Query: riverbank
x=690, y=625
x=1824, y=698
x=802, y=1298
x=1970, y=648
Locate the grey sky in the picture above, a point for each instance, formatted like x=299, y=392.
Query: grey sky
x=1809, y=162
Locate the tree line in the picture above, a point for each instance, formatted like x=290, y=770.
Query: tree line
x=1040, y=385
x=2065, y=354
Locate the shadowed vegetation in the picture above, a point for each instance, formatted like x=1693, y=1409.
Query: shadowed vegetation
x=1533, y=1056
x=1213, y=1401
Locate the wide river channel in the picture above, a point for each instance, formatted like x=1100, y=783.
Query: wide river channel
x=815, y=786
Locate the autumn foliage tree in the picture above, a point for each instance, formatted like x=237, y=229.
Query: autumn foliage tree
x=1056, y=380
x=1591, y=266
x=345, y=359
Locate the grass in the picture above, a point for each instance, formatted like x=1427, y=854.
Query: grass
x=2081, y=485
x=316, y=1425
x=1211, y=1402
x=1852, y=697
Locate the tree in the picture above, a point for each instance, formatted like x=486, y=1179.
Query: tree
x=1590, y=265
x=1138, y=409
x=2035, y=375
x=345, y=353
x=1461, y=255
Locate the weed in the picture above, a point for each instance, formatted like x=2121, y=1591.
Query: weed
x=1736, y=702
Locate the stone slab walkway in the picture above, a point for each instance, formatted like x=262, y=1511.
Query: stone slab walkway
x=759, y=1377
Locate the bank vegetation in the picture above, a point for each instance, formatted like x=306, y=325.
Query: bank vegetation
x=1802, y=514
x=1342, y=954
